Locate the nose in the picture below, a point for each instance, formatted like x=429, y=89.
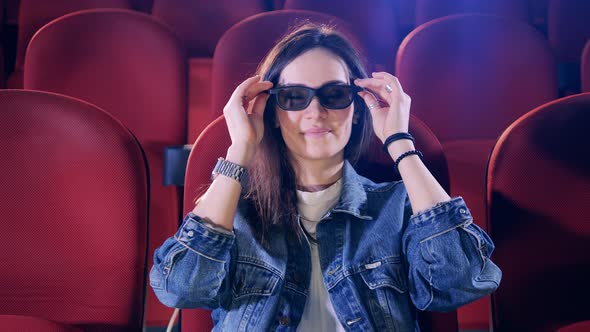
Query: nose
x=315, y=109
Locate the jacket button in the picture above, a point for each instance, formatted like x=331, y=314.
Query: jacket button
x=190, y=233
x=284, y=320
x=462, y=211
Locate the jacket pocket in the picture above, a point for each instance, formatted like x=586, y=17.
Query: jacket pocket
x=252, y=278
x=386, y=295
x=385, y=273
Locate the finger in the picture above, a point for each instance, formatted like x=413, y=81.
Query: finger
x=255, y=89
x=239, y=91
x=375, y=86
x=259, y=104
x=370, y=100
x=383, y=75
x=393, y=81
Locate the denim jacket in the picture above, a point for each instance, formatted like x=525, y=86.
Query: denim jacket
x=379, y=261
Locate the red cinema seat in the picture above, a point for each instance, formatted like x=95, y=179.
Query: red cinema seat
x=241, y=49
x=375, y=22
x=73, y=217
x=427, y=10
x=34, y=14
x=469, y=77
x=200, y=23
x=133, y=67
x=214, y=142
x=538, y=202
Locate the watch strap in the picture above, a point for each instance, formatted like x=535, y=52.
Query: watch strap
x=229, y=169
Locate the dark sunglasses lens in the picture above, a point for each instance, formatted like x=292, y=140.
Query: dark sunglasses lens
x=293, y=98
x=335, y=96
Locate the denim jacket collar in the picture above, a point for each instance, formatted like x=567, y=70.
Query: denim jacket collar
x=353, y=199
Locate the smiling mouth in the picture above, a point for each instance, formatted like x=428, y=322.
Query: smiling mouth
x=316, y=132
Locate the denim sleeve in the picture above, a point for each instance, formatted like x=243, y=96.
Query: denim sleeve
x=190, y=268
x=448, y=257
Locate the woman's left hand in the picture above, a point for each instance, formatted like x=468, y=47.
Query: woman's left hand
x=391, y=111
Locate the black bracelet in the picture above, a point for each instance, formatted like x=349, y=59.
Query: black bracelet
x=403, y=155
x=395, y=137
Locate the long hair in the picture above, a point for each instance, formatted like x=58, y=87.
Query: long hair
x=272, y=181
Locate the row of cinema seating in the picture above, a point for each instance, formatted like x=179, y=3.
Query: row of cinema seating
x=381, y=23
x=153, y=100
x=73, y=249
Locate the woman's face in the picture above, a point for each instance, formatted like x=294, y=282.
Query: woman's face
x=315, y=133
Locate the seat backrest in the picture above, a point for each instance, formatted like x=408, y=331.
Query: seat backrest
x=132, y=66
x=427, y=10
x=34, y=14
x=73, y=213
x=568, y=28
x=471, y=75
x=374, y=21
x=538, y=203
x=376, y=165
x=2, y=74
x=585, y=68
x=244, y=45
x=200, y=23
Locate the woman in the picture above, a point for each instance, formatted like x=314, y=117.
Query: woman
x=307, y=243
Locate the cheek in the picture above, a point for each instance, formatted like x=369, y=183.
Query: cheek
x=288, y=120
x=345, y=118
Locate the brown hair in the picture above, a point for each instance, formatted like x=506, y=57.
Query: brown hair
x=272, y=180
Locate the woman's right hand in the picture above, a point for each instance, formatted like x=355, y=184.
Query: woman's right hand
x=244, y=117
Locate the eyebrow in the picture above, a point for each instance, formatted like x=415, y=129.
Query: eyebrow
x=300, y=84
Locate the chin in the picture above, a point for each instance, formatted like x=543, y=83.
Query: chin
x=322, y=154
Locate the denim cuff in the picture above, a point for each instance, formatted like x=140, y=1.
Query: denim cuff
x=204, y=238
x=441, y=218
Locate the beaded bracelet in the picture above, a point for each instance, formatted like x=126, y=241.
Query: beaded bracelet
x=403, y=155
x=395, y=137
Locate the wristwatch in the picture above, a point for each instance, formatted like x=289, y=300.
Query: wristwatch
x=229, y=169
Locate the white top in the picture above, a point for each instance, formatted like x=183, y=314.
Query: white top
x=318, y=314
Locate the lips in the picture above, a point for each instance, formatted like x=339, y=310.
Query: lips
x=316, y=132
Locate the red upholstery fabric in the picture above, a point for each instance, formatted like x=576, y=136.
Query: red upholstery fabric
x=199, y=95
x=214, y=141
x=568, y=28
x=133, y=67
x=2, y=74
x=427, y=10
x=378, y=165
x=538, y=196
x=34, y=14
x=74, y=214
x=469, y=77
x=33, y=324
x=585, y=68
x=200, y=23
x=242, y=47
x=374, y=21
x=576, y=327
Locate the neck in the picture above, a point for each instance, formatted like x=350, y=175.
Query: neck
x=316, y=175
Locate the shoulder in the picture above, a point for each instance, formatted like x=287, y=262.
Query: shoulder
x=381, y=188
